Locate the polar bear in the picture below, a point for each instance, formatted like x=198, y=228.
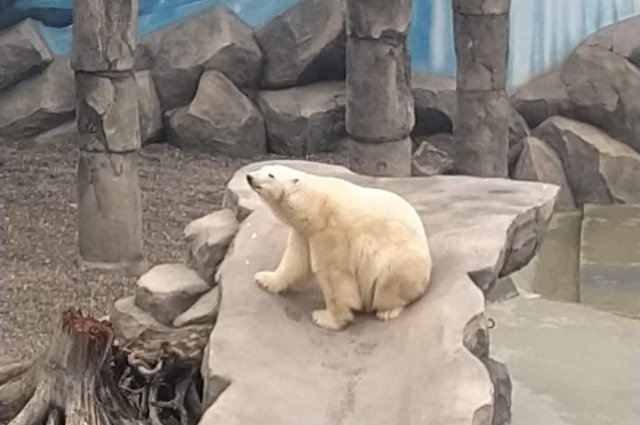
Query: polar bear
x=366, y=247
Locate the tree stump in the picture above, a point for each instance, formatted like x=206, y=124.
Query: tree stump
x=85, y=377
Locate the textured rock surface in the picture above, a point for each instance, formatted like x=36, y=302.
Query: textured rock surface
x=539, y=162
x=220, y=119
x=378, y=18
x=380, y=159
x=553, y=383
x=542, y=98
x=304, y=120
x=107, y=112
x=149, y=107
x=130, y=321
x=304, y=44
x=415, y=366
x=23, y=52
x=435, y=103
x=204, y=310
x=380, y=107
x=109, y=210
x=429, y=161
x=24, y=114
x=215, y=39
x=168, y=290
x=208, y=239
x=599, y=168
x=621, y=38
x=105, y=35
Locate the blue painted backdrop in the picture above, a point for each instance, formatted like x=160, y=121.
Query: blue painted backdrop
x=543, y=32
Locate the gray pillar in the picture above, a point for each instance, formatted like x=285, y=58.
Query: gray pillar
x=481, y=30
x=379, y=103
x=109, y=204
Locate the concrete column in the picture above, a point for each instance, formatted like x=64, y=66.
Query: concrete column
x=481, y=30
x=109, y=204
x=379, y=103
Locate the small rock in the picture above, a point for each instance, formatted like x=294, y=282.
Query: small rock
x=305, y=44
x=306, y=119
x=204, y=310
x=130, y=321
x=23, y=51
x=430, y=161
x=435, y=103
x=208, y=238
x=215, y=39
x=168, y=290
x=220, y=119
x=64, y=133
x=599, y=169
x=149, y=107
x=503, y=290
x=38, y=103
x=539, y=162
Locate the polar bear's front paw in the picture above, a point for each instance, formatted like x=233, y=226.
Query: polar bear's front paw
x=325, y=319
x=389, y=314
x=268, y=281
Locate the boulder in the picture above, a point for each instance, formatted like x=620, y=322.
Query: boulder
x=38, y=103
x=304, y=44
x=168, y=290
x=208, y=239
x=539, y=162
x=621, y=38
x=604, y=88
x=220, y=119
x=149, y=107
x=429, y=161
x=599, y=168
x=485, y=226
x=203, y=311
x=23, y=51
x=215, y=39
x=130, y=321
x=543, y=97
x=435, y=103
x=304, y=120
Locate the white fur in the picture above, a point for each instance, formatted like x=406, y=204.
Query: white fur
x=366, y=247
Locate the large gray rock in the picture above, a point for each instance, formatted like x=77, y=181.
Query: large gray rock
x=539, y=162
x=38, y=103
x=605, y=90
x=621, y=38
x=220, y=119
x=304, y=120
x=168, y=290
x=149, y=107
x=215, y=39
x=406, y=370
x=203, y=311
x=208, y=239
x=304, y=44
x=542, y=98
x=23, y=51
x=435, y=103
x=130, y=321
x=599, y=168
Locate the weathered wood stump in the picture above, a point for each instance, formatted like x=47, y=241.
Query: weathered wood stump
x=86, y=377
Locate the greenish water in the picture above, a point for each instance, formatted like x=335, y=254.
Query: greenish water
x=591, y=257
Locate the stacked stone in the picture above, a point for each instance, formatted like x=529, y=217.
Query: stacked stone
x=481, y=29
x=109, y=204
x=379, y=104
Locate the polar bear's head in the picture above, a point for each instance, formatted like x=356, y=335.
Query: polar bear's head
x=279, y=186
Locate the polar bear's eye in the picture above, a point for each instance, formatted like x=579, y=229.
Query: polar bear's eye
x=270, y=176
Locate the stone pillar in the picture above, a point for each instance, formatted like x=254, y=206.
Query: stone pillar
x=379, y=103
x=109, y=204
x=481, y=32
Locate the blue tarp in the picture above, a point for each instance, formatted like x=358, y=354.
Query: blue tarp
x=543, y=32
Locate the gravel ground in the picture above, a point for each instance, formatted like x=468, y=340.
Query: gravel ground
x=38, y=277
